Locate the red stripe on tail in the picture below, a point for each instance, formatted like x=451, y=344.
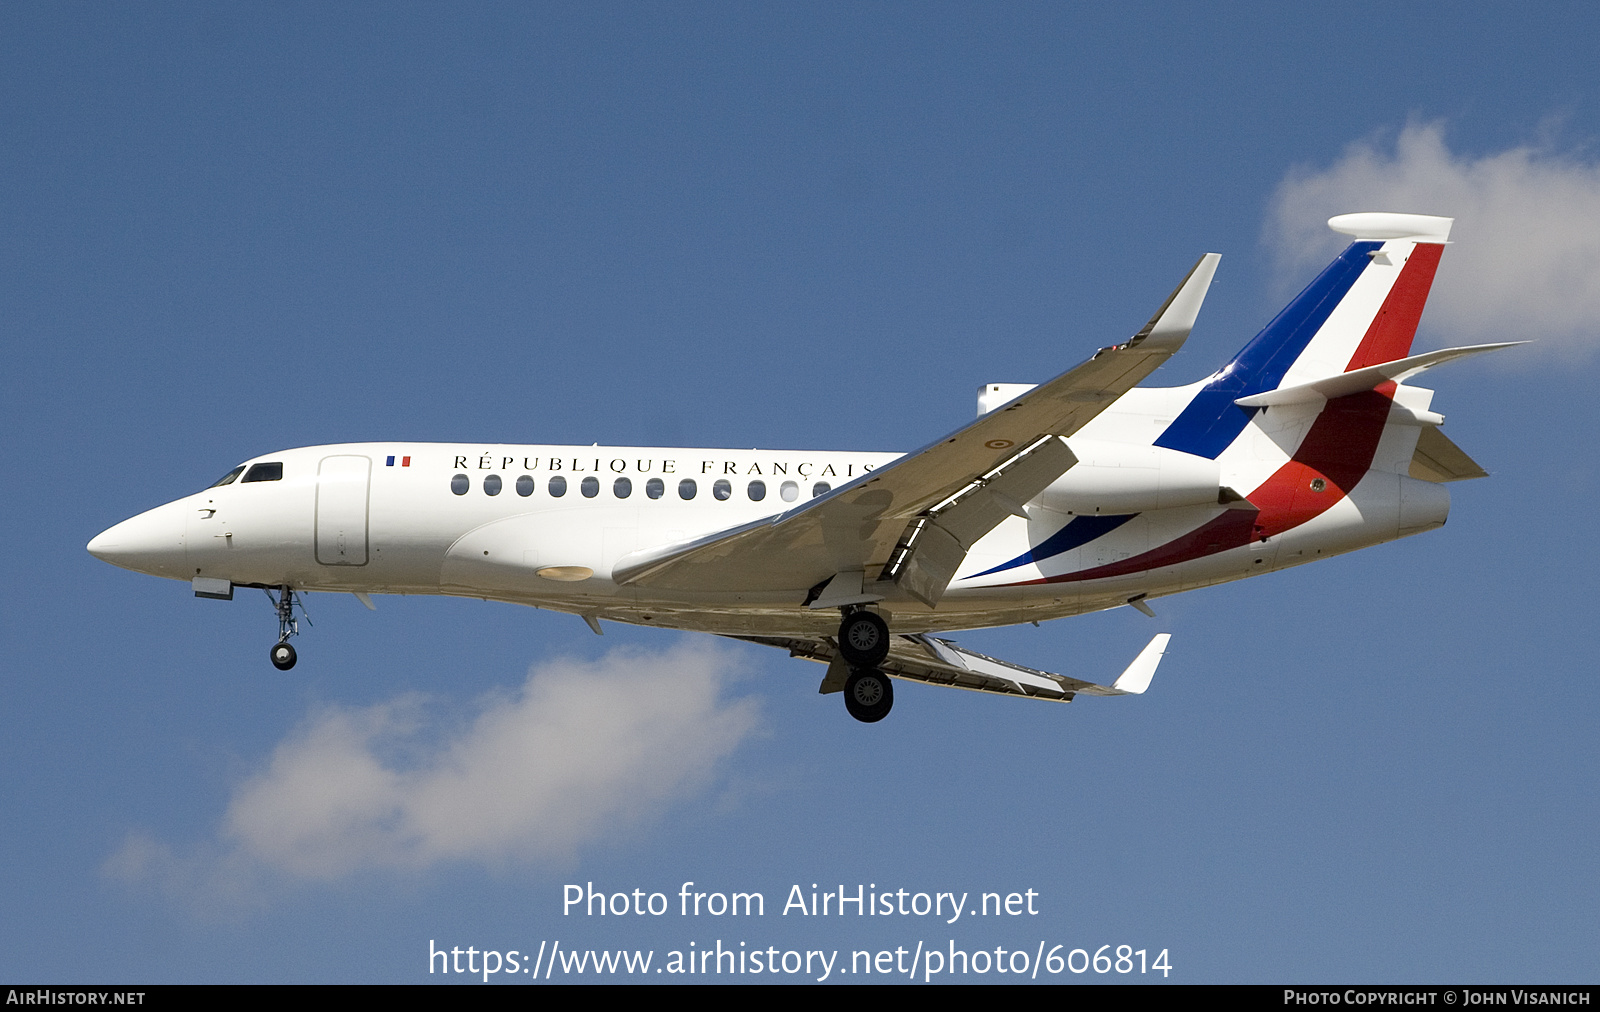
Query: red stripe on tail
x=1389, y=338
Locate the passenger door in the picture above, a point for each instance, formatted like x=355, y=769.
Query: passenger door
x=342, y=510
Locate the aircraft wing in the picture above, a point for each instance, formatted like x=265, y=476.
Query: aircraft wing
x=914, y=519
x=940, y=662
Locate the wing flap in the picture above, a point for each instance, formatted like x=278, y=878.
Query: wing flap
x=932, y=546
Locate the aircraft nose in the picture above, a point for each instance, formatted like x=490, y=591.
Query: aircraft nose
x=151, y=542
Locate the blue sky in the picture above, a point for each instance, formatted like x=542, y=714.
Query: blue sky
x=228, y=230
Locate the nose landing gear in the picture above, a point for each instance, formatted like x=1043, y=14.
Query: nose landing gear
x=283, y=657
x=282, y=654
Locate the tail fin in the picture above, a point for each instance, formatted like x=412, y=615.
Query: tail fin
x=1362, y=310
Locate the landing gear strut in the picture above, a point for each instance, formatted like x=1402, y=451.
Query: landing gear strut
x=868, y=695
x=282, y=654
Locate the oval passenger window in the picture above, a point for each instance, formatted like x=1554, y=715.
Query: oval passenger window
x=819, y=488
x=459, y=484
x=525, y=485
x=757, y=490
x=491, y=485
x=622, y=488
x=721, y=489
x=558, y=486
x=655, y=488
x=789, y=490
x=686, y=488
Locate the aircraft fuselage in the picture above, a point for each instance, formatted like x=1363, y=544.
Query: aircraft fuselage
x=545, y=525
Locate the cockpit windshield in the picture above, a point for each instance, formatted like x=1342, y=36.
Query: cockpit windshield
x=227, y=479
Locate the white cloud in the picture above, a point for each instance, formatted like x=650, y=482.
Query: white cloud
x=1525, y=263
x=582, y=750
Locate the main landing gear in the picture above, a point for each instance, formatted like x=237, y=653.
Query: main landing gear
x=868, y=695
x=863, y=639
x=864, y=644
x=282, y=654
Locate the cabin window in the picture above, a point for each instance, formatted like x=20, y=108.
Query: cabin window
x=757, y=490
x=491, y=485
x=227, y=479
x=655, y=488
x=789, y=490
x=264, y=472
x=721, y=489
x=459, y=484
x=558, y=486
x=819, y=488
x=590, y=487
x=622, y=488
x=525, y=485
x=686, y=488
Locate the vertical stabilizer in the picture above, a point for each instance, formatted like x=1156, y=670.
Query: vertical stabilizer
x=1362, y=310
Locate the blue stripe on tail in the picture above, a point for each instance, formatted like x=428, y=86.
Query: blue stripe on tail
x=1212, y=421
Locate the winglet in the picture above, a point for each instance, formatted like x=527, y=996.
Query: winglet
x=1169, y=328
x=1137, y=677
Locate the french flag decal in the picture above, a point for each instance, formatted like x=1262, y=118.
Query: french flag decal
x=404, y=462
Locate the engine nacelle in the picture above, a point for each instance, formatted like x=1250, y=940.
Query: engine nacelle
x=1128, y=478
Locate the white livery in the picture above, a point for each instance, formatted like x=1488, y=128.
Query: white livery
x=1081, y=493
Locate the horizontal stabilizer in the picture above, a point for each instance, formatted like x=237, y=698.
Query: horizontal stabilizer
x=1439, y=460
x=1360, y=380
x=923, y=658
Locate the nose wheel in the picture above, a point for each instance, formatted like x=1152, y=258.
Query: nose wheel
x=282, y=654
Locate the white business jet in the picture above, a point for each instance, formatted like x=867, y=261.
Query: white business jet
x=1079, y=494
